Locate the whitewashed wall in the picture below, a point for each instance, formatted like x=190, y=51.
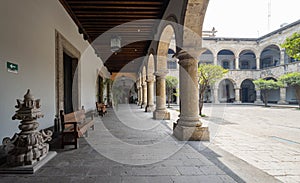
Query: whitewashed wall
x=27, y=37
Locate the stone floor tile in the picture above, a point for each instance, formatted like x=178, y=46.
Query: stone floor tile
x=187, y=170
x=197, y=179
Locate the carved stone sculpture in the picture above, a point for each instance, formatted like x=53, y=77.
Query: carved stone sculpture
x=28, y=146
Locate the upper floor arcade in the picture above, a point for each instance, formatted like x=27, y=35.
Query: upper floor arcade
x=249, y=53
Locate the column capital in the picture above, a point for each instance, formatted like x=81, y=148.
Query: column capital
x=150, y=79
x=161, y=74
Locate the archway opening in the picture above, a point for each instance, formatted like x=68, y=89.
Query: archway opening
x=270, y=57
x=206, y=58
x=226, y=91
x=274, y=95
x=247, y=60
x=248, y=94
x=226, y=59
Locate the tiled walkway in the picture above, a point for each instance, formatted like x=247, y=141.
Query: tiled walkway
x=129, y=146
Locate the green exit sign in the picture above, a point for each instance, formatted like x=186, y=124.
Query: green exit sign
x=12, y=67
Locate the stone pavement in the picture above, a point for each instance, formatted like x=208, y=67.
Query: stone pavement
x=129, y=146
x=266, y=138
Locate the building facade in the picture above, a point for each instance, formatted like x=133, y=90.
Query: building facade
x=247, y=59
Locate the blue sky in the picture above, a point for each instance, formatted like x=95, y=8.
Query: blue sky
x=249, y=18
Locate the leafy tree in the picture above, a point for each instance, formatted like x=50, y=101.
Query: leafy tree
x=292, y=79
x=292, y=45
x=208, y=75
x=171, y=83
x=265, y=86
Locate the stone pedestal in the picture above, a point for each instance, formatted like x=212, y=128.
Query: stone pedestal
x=161, y=114
x=189, y=126
x=258, y=100
x=161, y=110
x=186, y=133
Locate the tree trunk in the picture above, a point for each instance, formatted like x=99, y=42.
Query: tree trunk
x=265, y=96
x=201, y=93
x=168, y=94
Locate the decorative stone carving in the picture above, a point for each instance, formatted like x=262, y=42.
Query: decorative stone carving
x=28, y=146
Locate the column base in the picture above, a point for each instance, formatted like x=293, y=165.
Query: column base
x=258, y=102
x=149, y=108
x=282, y=102
x=185, y=133
x=237, y=102
x=161, y=114
x=142, y=105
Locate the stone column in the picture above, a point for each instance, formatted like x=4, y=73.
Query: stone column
x=215, y=95
x=189, y=126
x=144, y=94
x=139, y=95
x=282, y=53
x=282, y=96
x=258, y=94
x=237, y=96
x=215, y=60
x=257, y=63
x=237, y=63
x=161, y=110
x=150, y=94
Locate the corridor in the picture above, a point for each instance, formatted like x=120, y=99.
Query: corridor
x=127, y=145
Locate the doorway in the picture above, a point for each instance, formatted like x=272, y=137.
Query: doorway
x=70, y=65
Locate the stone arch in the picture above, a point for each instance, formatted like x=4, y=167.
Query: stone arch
x=226, y=92
x=226, y=59
x=193, y=24
x=247, y=92
x=166, y=36
x=270, y=56
x=150, y=66
x=144, y=73
x=247, y=60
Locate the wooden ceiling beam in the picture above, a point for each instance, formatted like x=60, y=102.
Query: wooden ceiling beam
x=125, y=7
x=107, y=2
x=81, y=16
x=116, y=12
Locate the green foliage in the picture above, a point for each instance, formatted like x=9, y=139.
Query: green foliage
x=292, y=45
x=208, y=75
x=263, y=84
x=266, y=86
x=171, y=83
x=291, y=79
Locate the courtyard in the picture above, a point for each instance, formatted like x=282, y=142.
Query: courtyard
x=267, y=138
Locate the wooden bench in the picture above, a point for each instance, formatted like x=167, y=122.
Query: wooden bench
x=101, y=108
x=74, y=125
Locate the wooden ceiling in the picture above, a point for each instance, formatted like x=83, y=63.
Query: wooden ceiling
x=131, y=20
